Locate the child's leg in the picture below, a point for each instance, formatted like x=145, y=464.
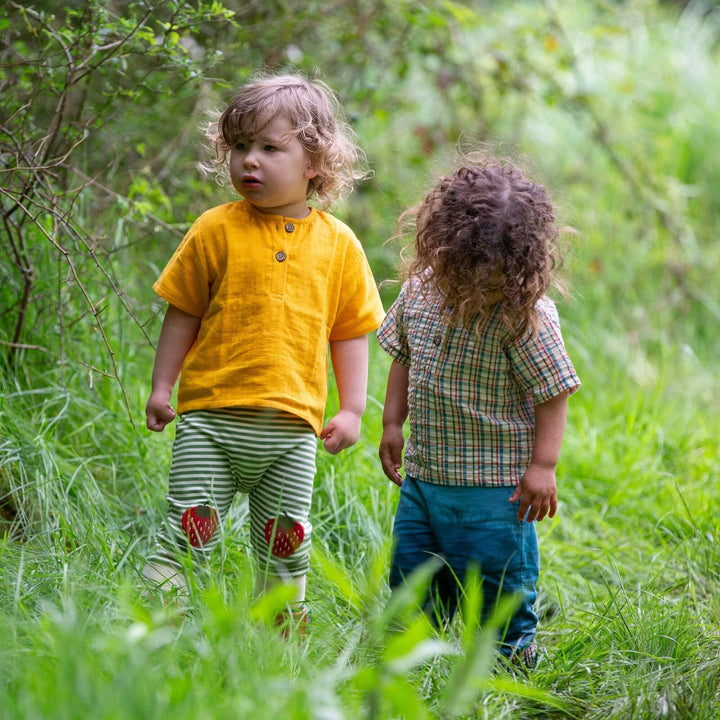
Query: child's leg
x=414, y=543
x=296, y=614
x=481, y=527
x=280, y=527
x=164, y=577
x=265, y=582
x=272, y=455
x=200, y=490
x=465, y=525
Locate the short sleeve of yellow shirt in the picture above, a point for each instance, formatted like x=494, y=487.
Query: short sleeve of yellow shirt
x=271, y=292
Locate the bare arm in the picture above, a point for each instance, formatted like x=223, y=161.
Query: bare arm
x=538, y=489
x=350, y=364
x=178, y=333
x=394, y=415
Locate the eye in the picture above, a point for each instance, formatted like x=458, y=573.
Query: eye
x=271, y=148
x=240, y=145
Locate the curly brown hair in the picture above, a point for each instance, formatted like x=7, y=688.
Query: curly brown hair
x=315, y=115
x=482, y=236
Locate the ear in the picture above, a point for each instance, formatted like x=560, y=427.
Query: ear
x=310, y=172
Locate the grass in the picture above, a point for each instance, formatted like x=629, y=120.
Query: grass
x=631, y=564
x=628, y=597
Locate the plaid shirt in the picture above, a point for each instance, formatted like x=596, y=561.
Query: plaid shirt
x=471, y=397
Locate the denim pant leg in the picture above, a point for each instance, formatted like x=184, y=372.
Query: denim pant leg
x=414, y=544
x=470, y=525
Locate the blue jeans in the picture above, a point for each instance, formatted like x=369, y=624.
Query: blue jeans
x=463, y=526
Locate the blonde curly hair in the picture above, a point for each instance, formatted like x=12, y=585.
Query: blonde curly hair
x=484, y=235
x=318, y=122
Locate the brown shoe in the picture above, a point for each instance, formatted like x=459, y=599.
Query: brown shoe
x=296, y=619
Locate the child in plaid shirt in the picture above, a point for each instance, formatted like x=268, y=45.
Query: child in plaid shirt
x=480, y=369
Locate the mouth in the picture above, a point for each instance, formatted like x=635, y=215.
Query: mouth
x=250, y=181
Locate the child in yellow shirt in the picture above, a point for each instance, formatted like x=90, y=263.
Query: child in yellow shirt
x=256, y=291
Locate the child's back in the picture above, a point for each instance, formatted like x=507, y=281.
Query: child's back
x=480, y=369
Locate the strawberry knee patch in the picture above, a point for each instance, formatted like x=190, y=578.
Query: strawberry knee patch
x=199, y=523
x=284, y=535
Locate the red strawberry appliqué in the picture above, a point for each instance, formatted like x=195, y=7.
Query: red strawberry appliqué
x=285, y=534
x=199, y=523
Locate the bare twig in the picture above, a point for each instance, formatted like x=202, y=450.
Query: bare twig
x=23, y=346
x=51, y=237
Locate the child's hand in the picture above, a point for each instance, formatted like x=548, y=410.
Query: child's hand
x=159, y=412
x=537, y=493
x=341, y=432
x=391, y=447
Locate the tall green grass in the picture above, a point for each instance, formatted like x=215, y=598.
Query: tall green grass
x=628, y=598
x=631, y=564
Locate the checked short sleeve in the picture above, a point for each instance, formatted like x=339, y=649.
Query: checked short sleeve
x=540, y=362
x=391, y=335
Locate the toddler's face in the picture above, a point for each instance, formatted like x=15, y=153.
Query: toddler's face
x=271, y=170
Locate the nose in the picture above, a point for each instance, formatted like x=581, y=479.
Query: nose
x=250, y=161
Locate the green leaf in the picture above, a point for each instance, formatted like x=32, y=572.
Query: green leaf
x=404, y=700
x=273, y=602
x=465, y=15
x=337, y=575
x=402, y=644
x=470, y=673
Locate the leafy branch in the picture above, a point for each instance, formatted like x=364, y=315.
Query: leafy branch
x=70, y=78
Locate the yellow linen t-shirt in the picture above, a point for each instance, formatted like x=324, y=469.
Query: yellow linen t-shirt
x=271, y=292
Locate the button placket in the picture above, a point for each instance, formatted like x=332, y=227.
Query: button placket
x=280, y=257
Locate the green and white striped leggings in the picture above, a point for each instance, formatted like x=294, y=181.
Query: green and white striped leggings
x=264, y=453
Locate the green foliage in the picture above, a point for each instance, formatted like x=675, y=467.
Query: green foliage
x=70, y=75
x=614, y=106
